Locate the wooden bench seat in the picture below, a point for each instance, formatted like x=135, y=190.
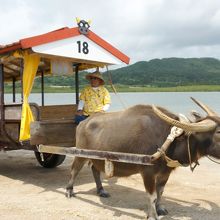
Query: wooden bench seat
x=13, y=120
x=51, y=112
x=53, y=124
x=56, y=126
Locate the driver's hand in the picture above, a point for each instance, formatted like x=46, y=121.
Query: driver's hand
x=79, y=112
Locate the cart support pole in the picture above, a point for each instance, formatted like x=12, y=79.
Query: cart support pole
x=13, y=89
x=2, y=97
x=21, y=75
x=42, y=88
x=98, y=155
x=77, y=83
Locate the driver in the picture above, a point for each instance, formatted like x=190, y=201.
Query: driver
x=94, y=98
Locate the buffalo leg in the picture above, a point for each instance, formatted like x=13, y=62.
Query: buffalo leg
x=149, y=184
x=76, y=167
x=160, y=184
x=100, y=190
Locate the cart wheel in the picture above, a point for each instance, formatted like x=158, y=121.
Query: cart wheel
x=49, y=160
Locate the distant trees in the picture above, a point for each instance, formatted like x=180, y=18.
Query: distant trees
x=170, y=72
x=167, y=72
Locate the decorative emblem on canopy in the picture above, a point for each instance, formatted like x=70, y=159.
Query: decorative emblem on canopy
x=83, y=26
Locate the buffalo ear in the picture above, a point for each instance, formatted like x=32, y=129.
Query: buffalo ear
x=196, y=116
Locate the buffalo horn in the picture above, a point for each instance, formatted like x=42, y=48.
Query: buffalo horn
x=209, y=111
x=202, y=126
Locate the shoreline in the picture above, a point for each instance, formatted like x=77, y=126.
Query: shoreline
x=127, y=88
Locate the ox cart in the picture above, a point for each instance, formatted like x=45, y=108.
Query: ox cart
x=49, y=130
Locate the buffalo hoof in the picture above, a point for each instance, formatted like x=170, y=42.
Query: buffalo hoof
x=161, y=210
x=69, y=193
x=103, y=193
x=153, y=218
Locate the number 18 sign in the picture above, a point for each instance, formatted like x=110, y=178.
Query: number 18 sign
x=78, y=47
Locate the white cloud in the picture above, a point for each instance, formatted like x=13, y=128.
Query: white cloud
x=143, y=29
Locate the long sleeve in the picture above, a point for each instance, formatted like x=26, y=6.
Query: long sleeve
x=80, y=105
x=106, y=107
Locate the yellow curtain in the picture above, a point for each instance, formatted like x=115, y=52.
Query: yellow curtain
x=31, y=62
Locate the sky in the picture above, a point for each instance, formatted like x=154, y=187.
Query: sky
x=142, y=29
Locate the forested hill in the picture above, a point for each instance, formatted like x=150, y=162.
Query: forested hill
x=170, y=72
x=155, y=73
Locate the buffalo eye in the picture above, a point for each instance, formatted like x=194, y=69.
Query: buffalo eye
x=217, y=135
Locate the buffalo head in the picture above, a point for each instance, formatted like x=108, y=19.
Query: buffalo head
x=207, y=128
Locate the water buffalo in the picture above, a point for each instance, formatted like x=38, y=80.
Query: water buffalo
x=141, y=129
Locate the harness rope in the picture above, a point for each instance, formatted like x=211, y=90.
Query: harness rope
x=175, y=163
x=213, y=160
x=114, y=89
x=189, y=154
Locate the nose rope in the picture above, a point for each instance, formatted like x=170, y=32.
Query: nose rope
x=189, y=154
x=213, y=160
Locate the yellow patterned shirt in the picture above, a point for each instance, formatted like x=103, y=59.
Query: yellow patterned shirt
x=94, y=100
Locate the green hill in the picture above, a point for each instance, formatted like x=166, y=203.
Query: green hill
x=170, y=72
x=167, y=72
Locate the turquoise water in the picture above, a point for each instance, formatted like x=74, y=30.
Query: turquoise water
x=178, y=102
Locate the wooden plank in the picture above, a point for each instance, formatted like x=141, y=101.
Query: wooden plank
x=12, y=130
x=53, y=132
x=99, y=155
x=13, y=70
x=13, y=111
x=58, y=112
x=10, y=137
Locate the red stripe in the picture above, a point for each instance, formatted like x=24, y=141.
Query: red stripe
x=121, y=56
x=49, y=37
x=10, y=47
x=64, y=33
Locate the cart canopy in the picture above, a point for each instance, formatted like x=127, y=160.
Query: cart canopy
x=54, y=52
x=63, y=47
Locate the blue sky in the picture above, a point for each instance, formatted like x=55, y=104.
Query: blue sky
x=142, y=29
